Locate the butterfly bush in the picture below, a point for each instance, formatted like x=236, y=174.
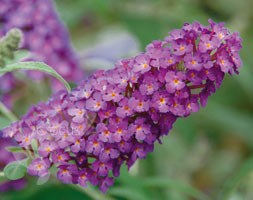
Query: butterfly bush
x=44, y=36
x=115, y=116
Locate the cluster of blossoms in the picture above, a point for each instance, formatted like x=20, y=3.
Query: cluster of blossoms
x=44, y=36
x=5, y=158
x=115, y=116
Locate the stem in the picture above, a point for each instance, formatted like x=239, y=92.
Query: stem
x=6, y=112
x=197, y=86
x=94, y=194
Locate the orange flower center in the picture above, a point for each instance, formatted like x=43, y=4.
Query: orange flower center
x=176, y=81
x=162, y=100
x=208, y=45
x=182, y=48
x=139, y=127
x=80, y=112
x=170, y=61
x=193, y=62
x=145, y=65
x=39, y=166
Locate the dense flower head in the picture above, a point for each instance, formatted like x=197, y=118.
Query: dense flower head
x=116, y=116
x=44, y=36
x=5, y=158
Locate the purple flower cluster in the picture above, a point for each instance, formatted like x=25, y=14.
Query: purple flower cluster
x=5, y=158
x=44, y=36
x=115, y=116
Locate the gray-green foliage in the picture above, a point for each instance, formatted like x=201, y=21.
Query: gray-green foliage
x=16, y=169
x=39, y=66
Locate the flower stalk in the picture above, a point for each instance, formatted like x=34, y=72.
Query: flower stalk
x=9, y=44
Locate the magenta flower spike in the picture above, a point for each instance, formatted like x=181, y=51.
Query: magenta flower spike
x=115, y=117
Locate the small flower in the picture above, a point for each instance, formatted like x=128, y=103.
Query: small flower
x=193, y=62
x=223, y=60
x=101, y=168
x=113, y=94
x=168, y=60
x=39, y=167
x=208, y=43
x=46, y=148
x=161, y=102
x=177, y=108
x=175, y=81
x=106, y=183
x=140, y=129
x=149, y=85
x=108, y=153
x=124, y=108
x=141, y=64
x=192, y=105
x=83, y=179
x=25, y=138
x=181, y=47
x=79, y=145
x=138, y=103
x=95, y=103
x=120, y=131
x=60, y=157
x=78, y=113
x=93, y=145
x=66, y=173
x=175, y=35
x=104, y=132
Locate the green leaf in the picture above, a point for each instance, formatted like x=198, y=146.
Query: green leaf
x=16, y=170
x=2, y=177
x=18, y=55
x=34, y=145
x=14, y=149
x=231, y=184
x=34, y=66
x=4, y=122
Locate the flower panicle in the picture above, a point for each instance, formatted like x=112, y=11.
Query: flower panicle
x=115, y=116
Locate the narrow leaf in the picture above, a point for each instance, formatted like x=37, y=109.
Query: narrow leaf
x=4, y=122
x=18, y=56
x=34, y=66
x=14, y=149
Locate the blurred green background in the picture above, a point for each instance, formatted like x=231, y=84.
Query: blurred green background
x=208, y=155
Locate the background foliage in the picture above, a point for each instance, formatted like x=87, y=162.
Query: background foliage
x=207, y=155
